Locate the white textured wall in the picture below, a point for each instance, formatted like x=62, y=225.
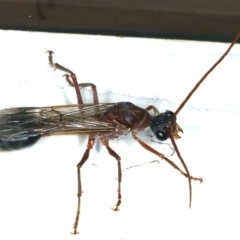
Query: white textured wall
x=38, y=185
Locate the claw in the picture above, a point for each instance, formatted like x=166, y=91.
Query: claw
x=116, y=209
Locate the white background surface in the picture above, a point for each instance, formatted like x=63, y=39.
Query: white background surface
x=38, y=185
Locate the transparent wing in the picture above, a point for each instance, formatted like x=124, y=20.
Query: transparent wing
x=18, y=123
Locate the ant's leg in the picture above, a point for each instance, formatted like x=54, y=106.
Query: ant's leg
x=85, y=156
x=150, y=149
x=147, y=147
x=83, y=85
x=170, y=135
x=73, y=81
x=105, y=141
x=155, y=110
x=73, y=76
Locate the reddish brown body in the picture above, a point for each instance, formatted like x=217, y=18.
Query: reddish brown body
x=128, y=118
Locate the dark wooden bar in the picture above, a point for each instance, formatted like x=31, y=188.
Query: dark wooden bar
x=214, y=20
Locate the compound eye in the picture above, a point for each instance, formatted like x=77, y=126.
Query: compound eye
x=160, y=135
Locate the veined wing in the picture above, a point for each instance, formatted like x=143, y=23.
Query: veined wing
x=19, y=123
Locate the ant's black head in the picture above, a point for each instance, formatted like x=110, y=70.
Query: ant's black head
x=163, y=123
